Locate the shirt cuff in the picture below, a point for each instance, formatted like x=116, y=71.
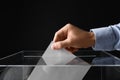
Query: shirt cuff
x=104, y=39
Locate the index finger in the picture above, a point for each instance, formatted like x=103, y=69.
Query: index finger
x=61, y=34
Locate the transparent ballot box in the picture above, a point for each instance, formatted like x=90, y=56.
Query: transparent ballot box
x=88, y=65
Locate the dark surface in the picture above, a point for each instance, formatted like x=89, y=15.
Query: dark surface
x=31, y=24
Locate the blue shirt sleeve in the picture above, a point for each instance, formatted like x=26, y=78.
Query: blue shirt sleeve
x=107, y=38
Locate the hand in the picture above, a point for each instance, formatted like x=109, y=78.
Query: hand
x=72, y=38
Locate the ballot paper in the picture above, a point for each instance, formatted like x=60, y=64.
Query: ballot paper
x=57, y=66
x=57, y=57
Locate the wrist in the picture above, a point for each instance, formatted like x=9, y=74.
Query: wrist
x=92, y=39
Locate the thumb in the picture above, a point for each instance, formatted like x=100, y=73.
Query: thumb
x=60, y=44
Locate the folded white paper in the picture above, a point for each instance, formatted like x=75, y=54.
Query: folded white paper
x=53, y=69
x=57, y=57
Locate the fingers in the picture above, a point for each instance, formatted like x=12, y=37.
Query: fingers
x=61, y=34
x=60, y=44
x=61, y=39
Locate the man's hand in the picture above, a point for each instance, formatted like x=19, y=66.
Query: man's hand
x=72, y=38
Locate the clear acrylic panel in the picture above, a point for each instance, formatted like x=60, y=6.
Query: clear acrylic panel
x=101, y=66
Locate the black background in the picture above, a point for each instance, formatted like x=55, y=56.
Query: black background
x=31, y=24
